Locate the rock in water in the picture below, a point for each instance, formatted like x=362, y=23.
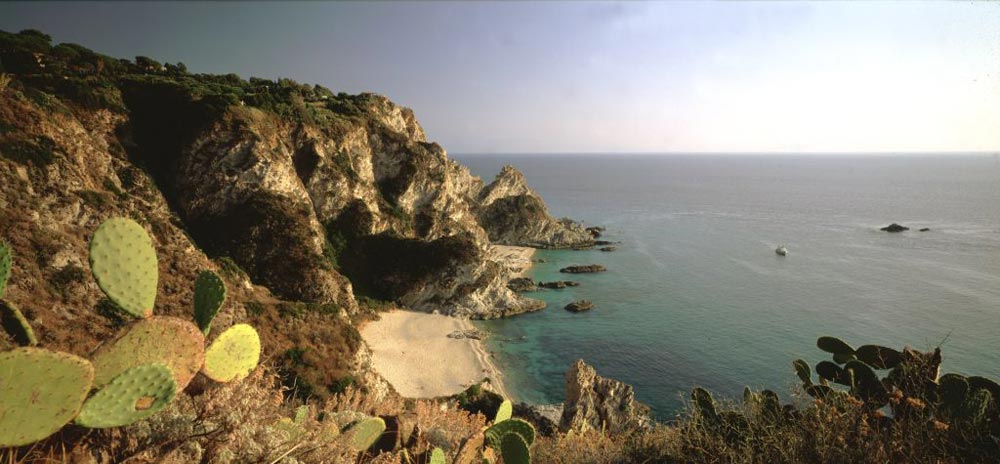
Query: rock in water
x=595, y=232
x=583, y=269
x=522, y=284
x=578, y=306
x=558, y=284
x=597, y=403
x=609, y=248
x=925, y=229
x=894, y=228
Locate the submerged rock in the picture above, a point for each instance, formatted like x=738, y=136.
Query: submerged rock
x=578, y=306
x=894, y=228
x=925, y=229
x=558, y=284
x=609, y=248
x=589, y=268
x=597, y=403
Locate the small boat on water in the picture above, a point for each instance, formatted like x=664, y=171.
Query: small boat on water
x=781, y=250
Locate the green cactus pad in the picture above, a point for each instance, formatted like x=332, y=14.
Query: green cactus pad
x=131, y=397
x=233, y=354
x=6, y=257
x=975, y=405
x=843, y=358
x=40, y=391
x=879, y=357
x=504, y=412
x=437, y=456
x=366, y=432
x=16, y=324
x=123, y=261
x=174, y=342
x=819, y=391
x=514, y=449
x=834, y=345
x=494, y=434
x=209, y=295
x=802, y=370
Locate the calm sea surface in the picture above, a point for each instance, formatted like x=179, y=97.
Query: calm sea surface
x=695, y=294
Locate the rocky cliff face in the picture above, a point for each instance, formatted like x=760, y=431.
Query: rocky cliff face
x=597, y=403
x=513, y=214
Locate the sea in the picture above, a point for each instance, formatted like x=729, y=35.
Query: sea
x=695, y=294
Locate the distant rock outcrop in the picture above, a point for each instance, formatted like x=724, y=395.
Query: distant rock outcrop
x=597, y=403
x=522, y=285
x=558, y=284
x=579, y=306
x=894, y=228
x=513, y=214
x=585, y=269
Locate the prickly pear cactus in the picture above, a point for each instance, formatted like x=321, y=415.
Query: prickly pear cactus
x=705, y=404
x=879, y=357
x=802, y=370
x=40, y=391
x=834, y=345
x=16, y=324
x=437, y=456
x=514, y=450
x=6, y=257
x=174, y=342
x=131, y=397
x=504, y=412
x=952, y=390
x=366, y=432
x=233, y=354
x=209, y=295
x=123, y=261
x=494, y=434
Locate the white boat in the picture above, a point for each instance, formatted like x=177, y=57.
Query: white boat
x=781, y=250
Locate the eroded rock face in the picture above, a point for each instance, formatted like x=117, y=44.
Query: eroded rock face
x=597, y=403
x=513, y=214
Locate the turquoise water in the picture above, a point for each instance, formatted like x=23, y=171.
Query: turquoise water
x=696, y=295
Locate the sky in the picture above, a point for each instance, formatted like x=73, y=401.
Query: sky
x=595, y=77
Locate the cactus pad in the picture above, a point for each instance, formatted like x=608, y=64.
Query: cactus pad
x=40, y=391
x=494, y=434
x=174, y=342
x=437, y=456
x=16, y=325
x=209, y=295
x=5, y=261
x=514, y=449
x=366, y=432
x=123, y=261
x=233, y=354
x=504, y=411
x=879, y=357
x=834, y=345
x=802, y=370
x=131, y=397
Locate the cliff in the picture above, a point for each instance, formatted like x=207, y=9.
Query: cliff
x=306, y=201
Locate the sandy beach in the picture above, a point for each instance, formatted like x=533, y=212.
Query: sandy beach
x=413, y=352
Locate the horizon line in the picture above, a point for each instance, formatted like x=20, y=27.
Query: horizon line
x=741, y=153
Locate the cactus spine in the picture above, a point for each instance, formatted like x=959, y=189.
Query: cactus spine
x=209, y=295
x=40, y=391
x=123, y=261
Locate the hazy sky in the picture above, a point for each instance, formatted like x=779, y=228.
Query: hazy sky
x=600, y=77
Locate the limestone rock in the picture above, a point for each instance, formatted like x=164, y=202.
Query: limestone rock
x=597, y=403
x=585, y=269
x=580, y=306
x=894, y=228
